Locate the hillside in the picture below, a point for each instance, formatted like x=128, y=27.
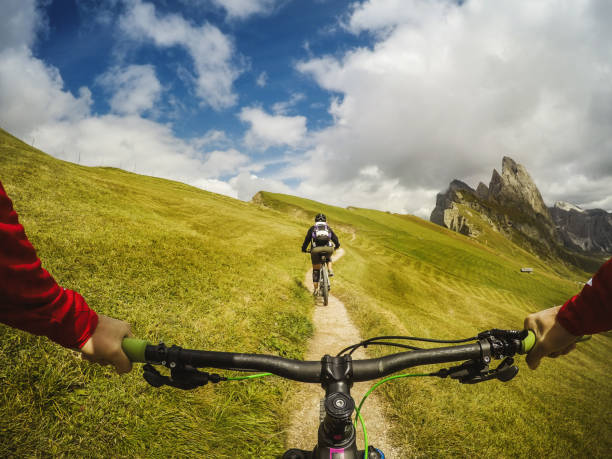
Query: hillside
x=181, y=265
x=202, y=270
x=403, y=275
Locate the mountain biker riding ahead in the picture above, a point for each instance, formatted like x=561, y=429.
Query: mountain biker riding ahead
x=323, y=242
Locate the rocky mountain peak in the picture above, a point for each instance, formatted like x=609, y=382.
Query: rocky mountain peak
x=513, y=206
x=515, y=185
x=482, y=191
x=566, y=206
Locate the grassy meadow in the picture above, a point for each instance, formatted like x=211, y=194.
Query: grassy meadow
x=200, y=270
x=183, y=266
x=403, y=275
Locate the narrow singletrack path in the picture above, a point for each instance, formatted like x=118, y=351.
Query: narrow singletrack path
x=333, y=331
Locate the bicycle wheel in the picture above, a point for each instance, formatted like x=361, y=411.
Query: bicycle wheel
x=324, y=285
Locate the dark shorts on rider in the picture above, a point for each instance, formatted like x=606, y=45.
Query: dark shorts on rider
x=317, y=252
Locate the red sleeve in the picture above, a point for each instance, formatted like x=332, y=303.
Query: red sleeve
x=30, y=299
x=591, y=310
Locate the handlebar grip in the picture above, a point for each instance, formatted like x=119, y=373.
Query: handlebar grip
x=134, y=348
x=528, y=343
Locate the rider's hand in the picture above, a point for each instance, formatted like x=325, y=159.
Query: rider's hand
x=104, y=346
x=552, y=340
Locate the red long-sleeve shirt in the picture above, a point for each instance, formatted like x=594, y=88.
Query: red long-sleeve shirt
x=591, y=310
x=30, y=299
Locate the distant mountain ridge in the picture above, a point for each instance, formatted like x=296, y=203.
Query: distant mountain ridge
x=587, y=230
x=513, y=206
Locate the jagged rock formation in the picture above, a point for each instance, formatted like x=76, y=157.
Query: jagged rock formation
x=583, y=230
x=510, y=204
x=446, y=212
x=513, y=206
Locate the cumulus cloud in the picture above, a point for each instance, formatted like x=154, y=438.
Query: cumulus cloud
x=272, y=130
x=282, y=108
x=242, y=9
x=448, y=89
x=134, y=143
x=31, y=94
x=212, y=51
x=36, y=106
x=135, y=88
x=220, y=163
x=19, y=23
x=248, y=184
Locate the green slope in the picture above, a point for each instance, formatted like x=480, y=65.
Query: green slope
x=182, y=265
x=404, y=275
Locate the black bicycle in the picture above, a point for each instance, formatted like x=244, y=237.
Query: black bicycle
x=324, y=283
x=336, y=374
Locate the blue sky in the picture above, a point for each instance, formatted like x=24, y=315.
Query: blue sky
x=267, y=47
x=372, y=103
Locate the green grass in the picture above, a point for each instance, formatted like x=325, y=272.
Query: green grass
x=403, y=275
x=181, y=265
x=201, y=270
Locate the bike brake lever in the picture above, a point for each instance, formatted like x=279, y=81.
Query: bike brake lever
x=465, y=371
x=504, y=372
x=153, y=377
x=473, y=372
x=185, y=377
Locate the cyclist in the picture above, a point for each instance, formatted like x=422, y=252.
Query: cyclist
x=323, y=241
x=31, y=300
x=558, y=328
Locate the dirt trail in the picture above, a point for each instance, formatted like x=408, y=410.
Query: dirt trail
x=334, y=330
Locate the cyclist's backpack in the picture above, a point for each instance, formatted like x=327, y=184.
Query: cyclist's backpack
x=321, y=234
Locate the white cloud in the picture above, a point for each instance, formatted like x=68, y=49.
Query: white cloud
x=242, y=9
x=262, y=80
x=272, y=130
x=135, y=88
x=217, y=186
x=31, y=94
x=220, y=163
x=449, y=89
x=247, y=185
x=212, y=51
x=382, y=15
x=143, y=146
x=19, y=23
x=212, y=137
x=282, y=108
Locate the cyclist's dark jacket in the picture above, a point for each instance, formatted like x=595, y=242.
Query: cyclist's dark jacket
x=591, y=310
x=308, y=238
x=30, y=299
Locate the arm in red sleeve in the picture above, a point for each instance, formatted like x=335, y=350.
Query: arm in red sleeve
x=30, y=299
x=591, y=310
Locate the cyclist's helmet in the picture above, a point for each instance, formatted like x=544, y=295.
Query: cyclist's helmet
x=320, y=218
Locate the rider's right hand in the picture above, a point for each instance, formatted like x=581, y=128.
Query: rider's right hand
x=552, y=340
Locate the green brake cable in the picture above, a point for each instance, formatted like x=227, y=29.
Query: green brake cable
x=365, y=434
x=358, y=409
x=242, y=378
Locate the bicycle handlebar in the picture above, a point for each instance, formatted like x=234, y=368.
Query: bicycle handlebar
x=139, y=350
